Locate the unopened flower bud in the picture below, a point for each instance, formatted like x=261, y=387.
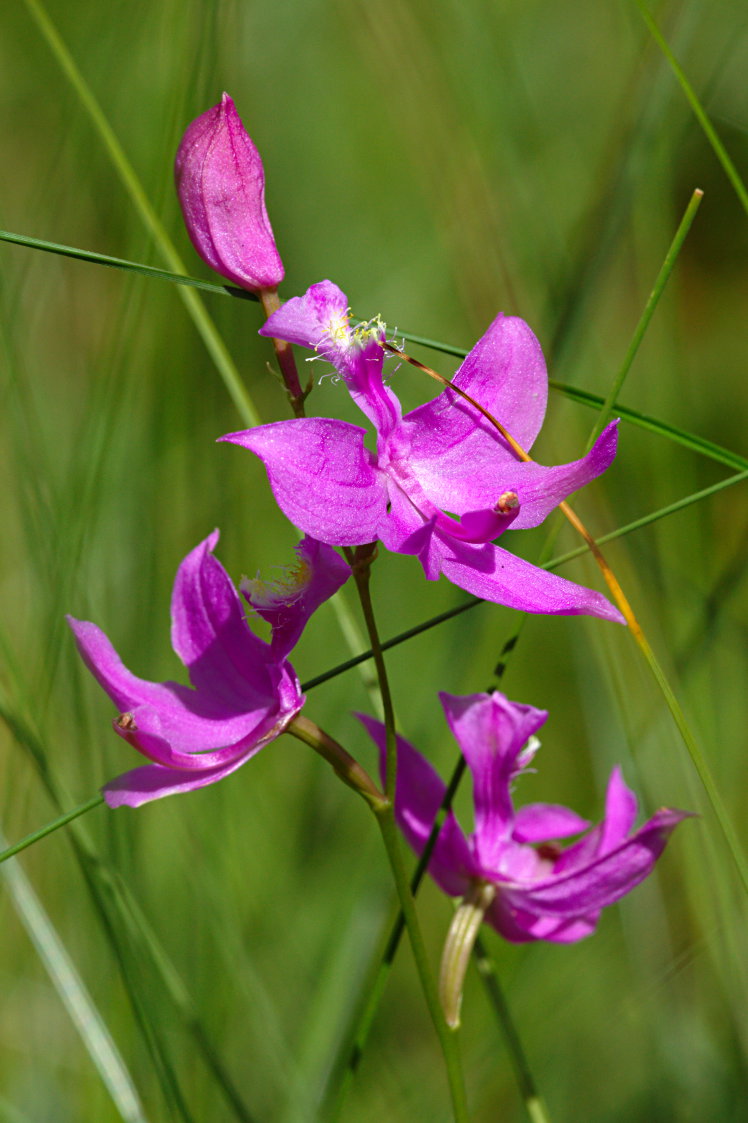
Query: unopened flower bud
x=221, y=186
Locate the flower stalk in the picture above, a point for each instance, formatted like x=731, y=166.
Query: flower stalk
x=271, y=302
x=361, y=565
x=344, y=765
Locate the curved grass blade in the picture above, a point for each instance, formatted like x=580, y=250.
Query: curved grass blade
x=74, y=996
x=62, y=821
x=195, y=307
x=134, y=945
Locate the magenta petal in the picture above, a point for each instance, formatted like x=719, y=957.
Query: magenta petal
x=418, y=797
x=322, y=477
x=505, y=373
x=491, y=732
x=604, y=880
x=542, y=822
x=310, y=320
x=243, y=695
x=520, y=926
x=540, y=489
x=210, y=633
x=189, y=737
x=288, y=604
x=152, y=781
x=361, y=365
x=493, y=574
x=620, y=812
x=124, y=688
x=221, y=186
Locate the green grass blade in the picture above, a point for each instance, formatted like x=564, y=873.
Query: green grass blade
x=646, y=316
x=195, y=307
x=662, y=428
x=133, y=944
x=121, y=263
x=62, y=821
x=74, y=996
x=698, y=110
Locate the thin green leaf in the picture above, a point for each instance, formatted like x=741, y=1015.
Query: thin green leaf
x=74, y=995
x=584, y=397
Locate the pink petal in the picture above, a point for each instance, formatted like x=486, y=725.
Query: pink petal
x=494, y=574
x=520, y=926
x=289, y=603
x=542, y=822
x=323, y=478
x=418, y=796
x=307, y=320
x=491, y=732
x=152, y=781
x=211, y=636
x=540, y=489
x=505, y=373
x=604, y=880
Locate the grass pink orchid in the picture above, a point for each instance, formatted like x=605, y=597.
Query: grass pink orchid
x=442, y=484
x=244, y=691
x=542, y=891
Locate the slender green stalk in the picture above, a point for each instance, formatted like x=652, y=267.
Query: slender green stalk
x=386, y=820
x=698, y=110
x=194, y=305
x=345, y=766
x=74, y=995
x=61, y=821
x=692, y=441
x=134, y=945
x=533, y=1101
x=447, y=1037
x=649, y=309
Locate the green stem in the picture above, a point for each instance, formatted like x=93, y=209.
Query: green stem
x=447, y=1037
x=195, y=307
x=94, y=258
x=271, y=302
x=344, y=765
x=62, y=821
x=536, y=1109
x=386, y=819
x=554, y=563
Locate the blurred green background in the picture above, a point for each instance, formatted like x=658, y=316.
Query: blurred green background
x=440, y=161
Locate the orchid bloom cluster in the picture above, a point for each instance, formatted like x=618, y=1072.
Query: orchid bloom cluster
x=443, y=483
